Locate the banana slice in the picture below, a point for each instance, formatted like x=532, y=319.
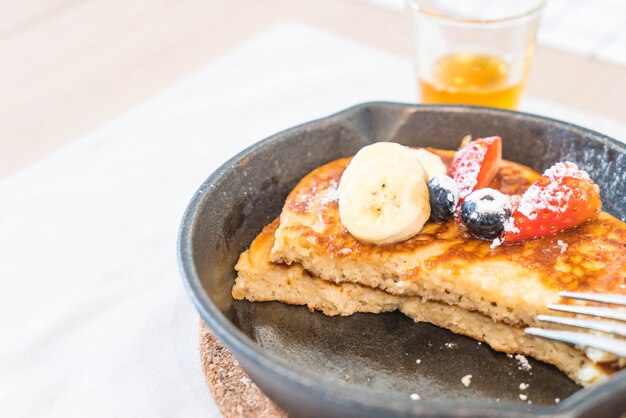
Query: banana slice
x=392, y=150
x=383, y=196
x=431, y=162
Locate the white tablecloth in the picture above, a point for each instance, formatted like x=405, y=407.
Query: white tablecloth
x=93, y=316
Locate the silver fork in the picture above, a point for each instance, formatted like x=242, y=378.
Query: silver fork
x=612, y=345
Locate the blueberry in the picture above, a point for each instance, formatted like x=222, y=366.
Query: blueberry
x=484, y=212
x=443, y=193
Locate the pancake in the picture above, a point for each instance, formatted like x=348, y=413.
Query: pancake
x=261, y=280
x=511, y=284
x=443, y=275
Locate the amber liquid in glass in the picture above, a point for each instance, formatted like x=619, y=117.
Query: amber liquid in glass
x=473, y=79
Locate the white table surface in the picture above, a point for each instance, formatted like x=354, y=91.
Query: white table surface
x=93, y=314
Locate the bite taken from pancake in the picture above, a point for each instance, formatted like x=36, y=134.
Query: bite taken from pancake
x=464, y=234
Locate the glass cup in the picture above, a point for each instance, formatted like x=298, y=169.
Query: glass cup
x=475, y=52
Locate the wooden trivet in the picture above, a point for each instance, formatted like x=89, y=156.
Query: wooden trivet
x=233, y=391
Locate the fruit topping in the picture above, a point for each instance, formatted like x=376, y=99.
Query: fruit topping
x=562, y=198
x=476, y=164
x=443, y=194
x=485, y=211
x=383, y=196
x=431, y=162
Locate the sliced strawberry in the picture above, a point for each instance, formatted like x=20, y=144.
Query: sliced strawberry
x=562, y=198
x=476, y=164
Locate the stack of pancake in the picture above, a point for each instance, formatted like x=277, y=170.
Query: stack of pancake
x=442, y=275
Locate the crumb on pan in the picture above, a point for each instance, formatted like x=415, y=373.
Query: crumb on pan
x=523, y=363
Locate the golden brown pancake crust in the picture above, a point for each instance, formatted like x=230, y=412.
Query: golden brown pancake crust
x=594, y=259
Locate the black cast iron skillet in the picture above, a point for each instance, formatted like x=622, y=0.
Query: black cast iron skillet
x=367, y=365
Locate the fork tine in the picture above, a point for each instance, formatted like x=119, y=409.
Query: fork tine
x=596, y=297
x=610, y=313
x=604, y=326
x=608, y=344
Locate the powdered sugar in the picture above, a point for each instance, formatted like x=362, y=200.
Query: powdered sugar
x=331, y=194
x=496, y=243
x=551, y=198
x=550, y=192
x=509, y=226
x=562, y=246
x=467, y=164
x=490, y=202
x=565, y=169
x=449, y=185
x=515, y=200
